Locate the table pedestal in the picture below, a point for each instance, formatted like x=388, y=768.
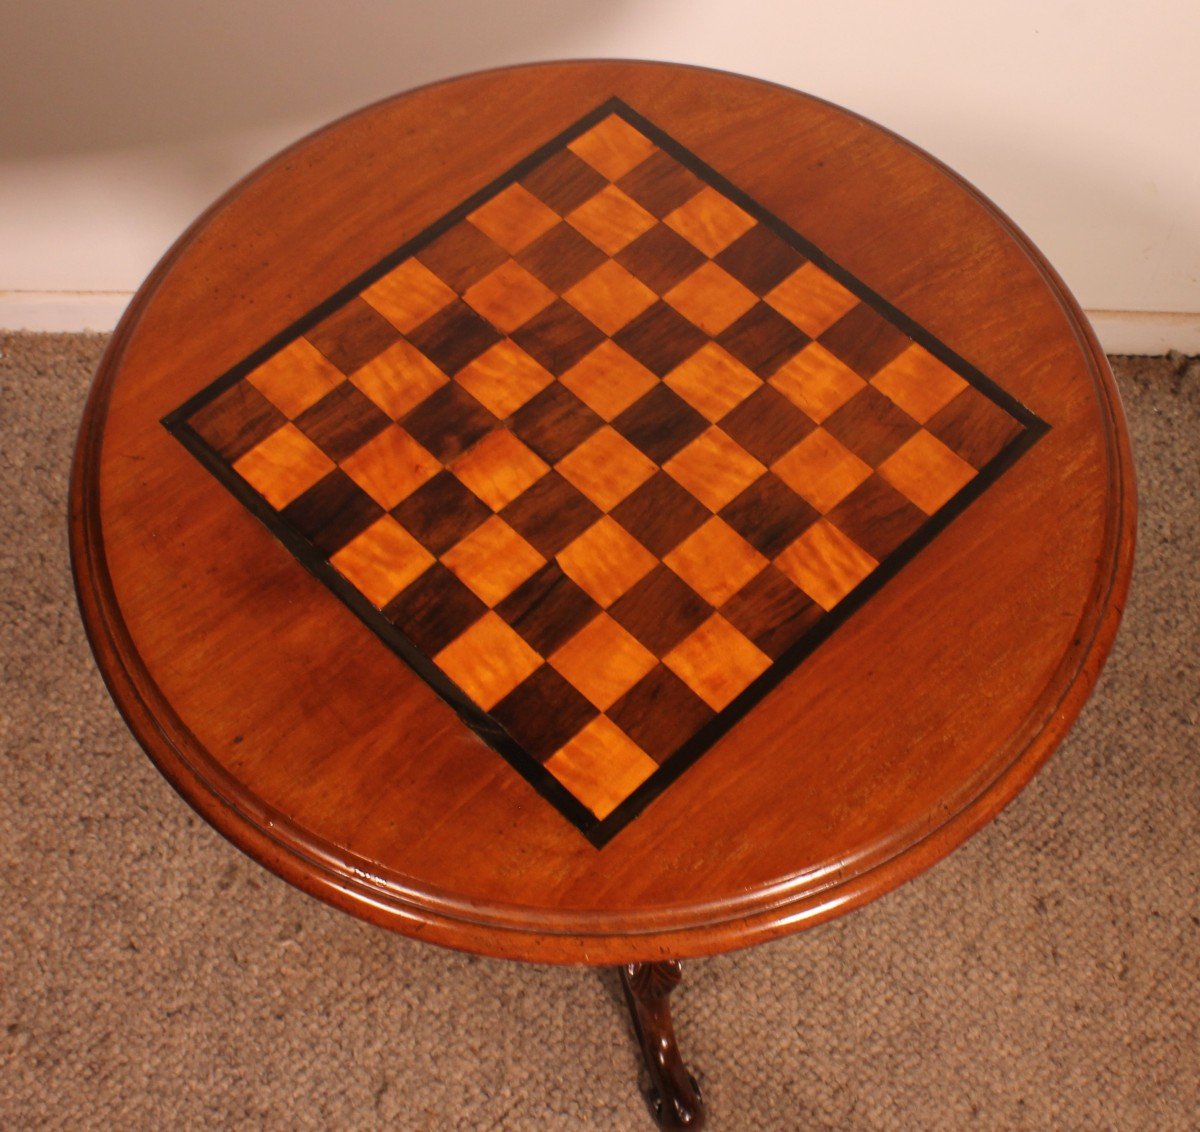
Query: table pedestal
x=674, y=1094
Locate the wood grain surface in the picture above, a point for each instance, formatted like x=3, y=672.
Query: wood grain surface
x=544, y=356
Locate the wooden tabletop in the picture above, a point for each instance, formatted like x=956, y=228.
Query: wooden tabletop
x=601, y=511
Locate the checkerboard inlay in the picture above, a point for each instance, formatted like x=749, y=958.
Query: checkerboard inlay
x=603, y=455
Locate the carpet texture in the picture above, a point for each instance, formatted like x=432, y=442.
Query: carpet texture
x=1046, y=975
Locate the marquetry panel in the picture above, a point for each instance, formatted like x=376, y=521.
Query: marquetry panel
x=604, y=455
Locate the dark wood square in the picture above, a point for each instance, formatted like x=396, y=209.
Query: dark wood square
x=564, y=181
x=558, y=337
x=353, y=335
x=660, y=258
x=762, y=339
x=769, y=515
x=871, y=425
x=877, y=517
x=561, y=257
x=772, y=612
x=660, y=338
x=331, y=512
x=548, y=609
x=342, y=421
x=551, y=514
x=974, y=427
x=660, y=184
x=660, y=514
x=554, y=422
x=660, y=610
x=864, y=340
x=543, y=712
x=766, y=424
x=760, y=259
x=434, y=610
x=442, y=512
x=462, y=255
x=454, y=337
x=236, y=421
x=660, y=423
x=449, y=421
x=660, y=713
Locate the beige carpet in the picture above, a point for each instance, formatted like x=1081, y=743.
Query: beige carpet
x=1046, y=976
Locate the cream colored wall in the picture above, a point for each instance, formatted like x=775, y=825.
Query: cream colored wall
x=1081, y=119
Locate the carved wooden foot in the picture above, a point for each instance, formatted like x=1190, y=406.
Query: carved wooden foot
x=674, y=1094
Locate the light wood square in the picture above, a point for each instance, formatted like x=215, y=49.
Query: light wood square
x=812, y=299
x=711, y=298
x=821, y=469
x=611, y=219
x=608, y=380
x=709, y=221
x=714, y=468
x=816, y=381
x=408, y=295
x=713, y=381
x=284, y=466
x=715, y=561
x=513, y=218
x=825, y=563
x=509, y=296
x=610, y=297
x=382, y=561
x=391, y=466
x=612, y=147
x=926, y=471
x=717, y=662
x=601, y=766
x=606, y=561
x=399, y=379
x=499, y=468
x=603, y=661
x=295, y=378
x=488, y=661
x=503, y=378
x=606, y=468
x=919, y=383
x=493, y=560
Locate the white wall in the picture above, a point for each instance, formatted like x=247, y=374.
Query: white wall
x=1081, y=118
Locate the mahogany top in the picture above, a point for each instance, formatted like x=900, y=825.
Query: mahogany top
x=601, y=511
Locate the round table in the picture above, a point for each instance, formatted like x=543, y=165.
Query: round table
x=602, y=513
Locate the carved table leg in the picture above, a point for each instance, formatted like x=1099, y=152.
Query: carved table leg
x=674, y=1092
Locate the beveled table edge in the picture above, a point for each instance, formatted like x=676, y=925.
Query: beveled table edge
x=539, y=935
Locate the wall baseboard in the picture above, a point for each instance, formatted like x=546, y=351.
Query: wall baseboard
x=1147, y=332
x=62, y=312
x=1120, y=332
